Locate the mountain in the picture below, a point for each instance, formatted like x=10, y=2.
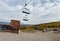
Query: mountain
x=7, y=23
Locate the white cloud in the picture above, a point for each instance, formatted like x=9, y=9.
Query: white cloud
x=39, y=13
x=48, y=8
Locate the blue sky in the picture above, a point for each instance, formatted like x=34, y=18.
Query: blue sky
x=41, y=11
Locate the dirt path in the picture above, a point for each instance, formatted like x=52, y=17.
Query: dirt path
x=5, y=36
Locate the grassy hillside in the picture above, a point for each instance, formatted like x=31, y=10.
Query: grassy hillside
x=42, y=26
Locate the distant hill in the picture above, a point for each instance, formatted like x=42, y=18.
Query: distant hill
x=7, y=23
x=23, y=25
x=49, y=25
x=56, y=23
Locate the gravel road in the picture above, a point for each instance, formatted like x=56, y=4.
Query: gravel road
x=23, y=36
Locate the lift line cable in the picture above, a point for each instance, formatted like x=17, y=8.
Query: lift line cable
x=23, y=8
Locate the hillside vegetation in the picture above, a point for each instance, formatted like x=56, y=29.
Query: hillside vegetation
x=42, y=26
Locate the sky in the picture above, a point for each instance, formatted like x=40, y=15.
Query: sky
x=41, y=11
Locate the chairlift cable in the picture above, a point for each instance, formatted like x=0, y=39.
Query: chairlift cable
x=24, y=7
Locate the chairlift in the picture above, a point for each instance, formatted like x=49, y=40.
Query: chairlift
x=25, y=12
x=25, y=4
x=26, y=8
x=26, y=15
x=25, y=19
